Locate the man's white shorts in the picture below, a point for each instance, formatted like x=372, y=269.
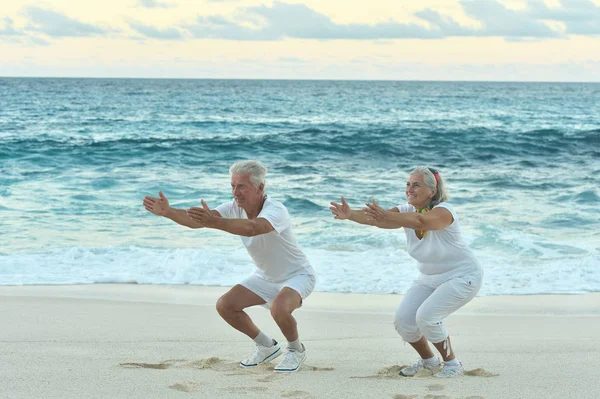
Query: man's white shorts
x=303, y=284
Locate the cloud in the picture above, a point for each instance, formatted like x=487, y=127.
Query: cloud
x=299, y=21
x=38, y=41
x=218, y=27
x=156, y=33
x=286, y=20
x=293, y=20
x=582, y=17
x=293, y=60
x=153, y=4
x=55, y=24
x=9, y=34
x=447, y=25
x=580, y=10
x=497, y=20
x=7, y=28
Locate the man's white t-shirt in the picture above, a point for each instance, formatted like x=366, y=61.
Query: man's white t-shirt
x=441, y=253
x=276, y=254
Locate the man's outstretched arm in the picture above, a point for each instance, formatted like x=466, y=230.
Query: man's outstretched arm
x=241, y=227
x=160, y=207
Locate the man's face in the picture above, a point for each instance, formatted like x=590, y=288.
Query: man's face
x=244, y=193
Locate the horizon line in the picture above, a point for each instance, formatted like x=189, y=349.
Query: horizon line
x=303, y=80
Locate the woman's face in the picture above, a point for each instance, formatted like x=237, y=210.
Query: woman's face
x=417, y=193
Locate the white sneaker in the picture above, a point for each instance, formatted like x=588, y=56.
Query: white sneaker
x=411, y=371
x=292, y=360
x=448, y=371
x=262, y=354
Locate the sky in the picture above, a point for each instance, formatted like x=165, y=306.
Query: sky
x=489, y=40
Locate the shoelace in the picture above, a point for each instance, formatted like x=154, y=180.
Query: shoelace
x=254, y=353
x=450, y=370
x=289, y=356
x=418, y=364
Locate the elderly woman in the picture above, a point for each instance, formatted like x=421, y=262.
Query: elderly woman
x=449, y=274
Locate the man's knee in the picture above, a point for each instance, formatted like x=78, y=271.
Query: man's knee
x=226, y=306
x=280, y=310
x=221, y=305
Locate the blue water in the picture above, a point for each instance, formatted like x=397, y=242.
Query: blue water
x=77, y=156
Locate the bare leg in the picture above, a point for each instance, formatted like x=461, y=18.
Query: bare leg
x=445, y=349
x=231, y=308
x=284, y=304
x=423, y=348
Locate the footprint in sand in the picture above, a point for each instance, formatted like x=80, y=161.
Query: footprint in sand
x=400, y=396
x=313, y=368
x=386, y=372
x=265, y=369
x=158, y=366
x=295, y=394
x=430, y=396
x=393, y=372
x=424, y=373
x=190, y=386
x=268, y=378
x=435, y=387
x=212, y=363
x=241, y=390
x=480, y=373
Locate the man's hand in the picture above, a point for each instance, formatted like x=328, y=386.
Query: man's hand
x=158, y=206
x=340, y=211
x=203, y=216
x=373, y=212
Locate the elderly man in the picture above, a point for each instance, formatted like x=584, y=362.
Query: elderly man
x=283, y=277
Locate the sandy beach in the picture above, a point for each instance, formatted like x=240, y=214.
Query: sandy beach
x=140, y=341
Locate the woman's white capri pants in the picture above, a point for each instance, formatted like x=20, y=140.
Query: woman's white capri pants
x=425, y=306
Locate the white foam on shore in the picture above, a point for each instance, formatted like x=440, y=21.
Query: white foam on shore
x=377, y=270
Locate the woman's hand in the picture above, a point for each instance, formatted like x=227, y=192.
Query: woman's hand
x=340, y=211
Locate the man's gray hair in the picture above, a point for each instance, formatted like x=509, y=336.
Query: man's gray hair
x=255, y=169
x=439, y=185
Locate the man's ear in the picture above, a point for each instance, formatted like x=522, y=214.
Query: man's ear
x=261, y=187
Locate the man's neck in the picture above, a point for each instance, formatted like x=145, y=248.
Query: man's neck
x=253, y=211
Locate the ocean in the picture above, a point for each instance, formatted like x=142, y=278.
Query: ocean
x=77, y=156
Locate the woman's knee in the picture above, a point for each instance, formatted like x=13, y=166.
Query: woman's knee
x=405, y=316
x=431, y=327
x=423, y=319
x=405, y=325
